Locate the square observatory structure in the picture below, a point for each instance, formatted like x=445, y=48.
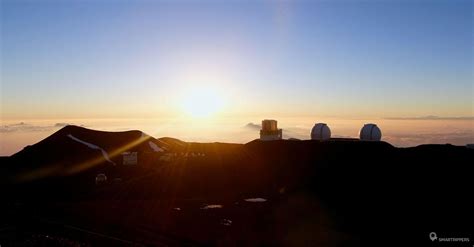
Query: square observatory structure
x=270, y=131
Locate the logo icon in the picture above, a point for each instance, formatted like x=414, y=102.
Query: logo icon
x=433, y=236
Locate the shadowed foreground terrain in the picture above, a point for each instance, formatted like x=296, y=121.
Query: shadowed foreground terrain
x=339, y=192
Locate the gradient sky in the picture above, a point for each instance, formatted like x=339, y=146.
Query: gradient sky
x=332, y=58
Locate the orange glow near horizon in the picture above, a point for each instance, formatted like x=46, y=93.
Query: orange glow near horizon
x=15, y=135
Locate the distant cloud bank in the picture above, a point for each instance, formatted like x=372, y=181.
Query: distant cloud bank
x=430, y=118
x=26, y=127
x=61, y=124
x=455, y=137
x=253, y=126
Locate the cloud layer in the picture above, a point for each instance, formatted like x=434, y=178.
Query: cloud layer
x=430, y=118
x=26, y=127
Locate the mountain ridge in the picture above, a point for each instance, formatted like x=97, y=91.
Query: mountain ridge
x=358, y=187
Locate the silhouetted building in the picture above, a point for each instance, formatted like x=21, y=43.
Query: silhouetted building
x=168, y=157
x=270, y=131
x=130, y=158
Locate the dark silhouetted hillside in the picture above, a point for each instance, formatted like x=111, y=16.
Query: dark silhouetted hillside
x=341, y=192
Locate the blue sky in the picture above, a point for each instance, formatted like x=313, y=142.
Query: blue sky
x=331, y=58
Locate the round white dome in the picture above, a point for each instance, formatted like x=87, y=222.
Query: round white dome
x=100, y=178
x=320, y=132
x=370, y=132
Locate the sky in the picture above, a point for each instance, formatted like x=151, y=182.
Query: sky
x=237, y=61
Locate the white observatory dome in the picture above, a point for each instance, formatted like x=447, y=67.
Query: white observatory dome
x=370, y=132
x=320, y=132
x=100, y=178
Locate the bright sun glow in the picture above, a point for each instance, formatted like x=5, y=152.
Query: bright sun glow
x=202, y=102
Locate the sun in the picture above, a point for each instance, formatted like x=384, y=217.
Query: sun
x=202, y=102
